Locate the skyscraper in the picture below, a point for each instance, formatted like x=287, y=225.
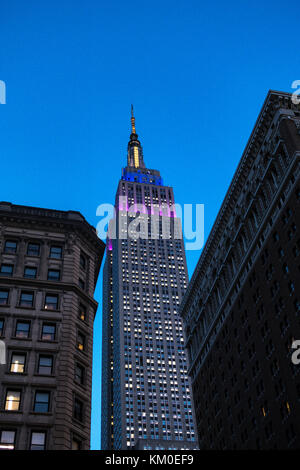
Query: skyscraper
x=242, y=306
x=146, y=395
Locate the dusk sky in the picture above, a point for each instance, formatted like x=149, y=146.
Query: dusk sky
x=196, y=72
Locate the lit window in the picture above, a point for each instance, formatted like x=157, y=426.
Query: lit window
x=7, y=440
x=80, y=341
x=17, y=363
x=12, y=400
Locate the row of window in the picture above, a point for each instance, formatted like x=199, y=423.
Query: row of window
x=41, y=403
x=33, y=249
x=27, y=299
x=30, y=272
x=22, y=331
x=17, y=365
x=8, y=440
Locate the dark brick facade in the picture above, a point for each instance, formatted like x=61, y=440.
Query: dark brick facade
x=242, y=307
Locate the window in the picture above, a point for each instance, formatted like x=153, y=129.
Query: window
x=82, y=261
x=10, y=246
x=1, y=326
x=51, y=302
x=76, y=444
x=17, y=363
x=37, y=441
x=41, y=402
x=6, y=269
x=53, y=275
x=56, y=252
x=22, y=329
x=81, y=284
x=82, y=312
x=26, y=299
x=78, y=409
x=30, y=273
x=79, y=374
x=4, y=297
x=45, y=365
x=33, y=249
x=80, y=341
x=48, y=332
x=12, y=400
x=7, y=440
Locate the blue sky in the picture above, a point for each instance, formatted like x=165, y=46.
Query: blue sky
x=196, y=72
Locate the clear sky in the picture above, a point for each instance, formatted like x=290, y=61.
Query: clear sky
x=196, y=72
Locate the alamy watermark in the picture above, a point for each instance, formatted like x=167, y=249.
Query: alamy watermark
x=158, y=221
x=295, y=95
x=2, y=92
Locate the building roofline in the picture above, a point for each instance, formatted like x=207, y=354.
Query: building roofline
x=271, y=102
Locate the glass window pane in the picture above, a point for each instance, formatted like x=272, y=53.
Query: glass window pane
x=33, y=249
x=38, y=441
x=55, y=252
x=10, y=246
x=12, y=402
x=51, y=302
x=3, y=296
x=30, y=273
x=48, y=332
x=6, y=269
x=7, y=440
x=22, y=330
x=17, y=363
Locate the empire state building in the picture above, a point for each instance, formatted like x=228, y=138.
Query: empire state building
x=146, y=390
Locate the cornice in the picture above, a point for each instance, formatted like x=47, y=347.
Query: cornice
x=273, y=102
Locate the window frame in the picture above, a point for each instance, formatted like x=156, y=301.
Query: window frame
x=33, y=252
x=8, y=250
x=17, y=353
x=26, y=322
x=46, y=306
x=35, y=431
x=35, y=403
x=55, y=331
x=26, y=304
x=51, y=254
x=13, y=390
x=7, y=298
x=3, y=274
x=30, y=267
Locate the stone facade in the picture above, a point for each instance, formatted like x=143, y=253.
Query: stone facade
x=49, y=264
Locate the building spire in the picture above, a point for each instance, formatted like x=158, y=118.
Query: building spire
x=132, y=121
x=135, y=151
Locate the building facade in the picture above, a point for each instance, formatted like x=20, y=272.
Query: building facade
x=146, y=396
x=49, y=264
x=241, y=310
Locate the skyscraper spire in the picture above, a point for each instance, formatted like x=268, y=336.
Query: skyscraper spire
x=132, y=121
x=135, y=151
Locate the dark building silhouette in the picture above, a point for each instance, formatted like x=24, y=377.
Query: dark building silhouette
x=242, y=307
x=146, y=396
x=49, y=264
